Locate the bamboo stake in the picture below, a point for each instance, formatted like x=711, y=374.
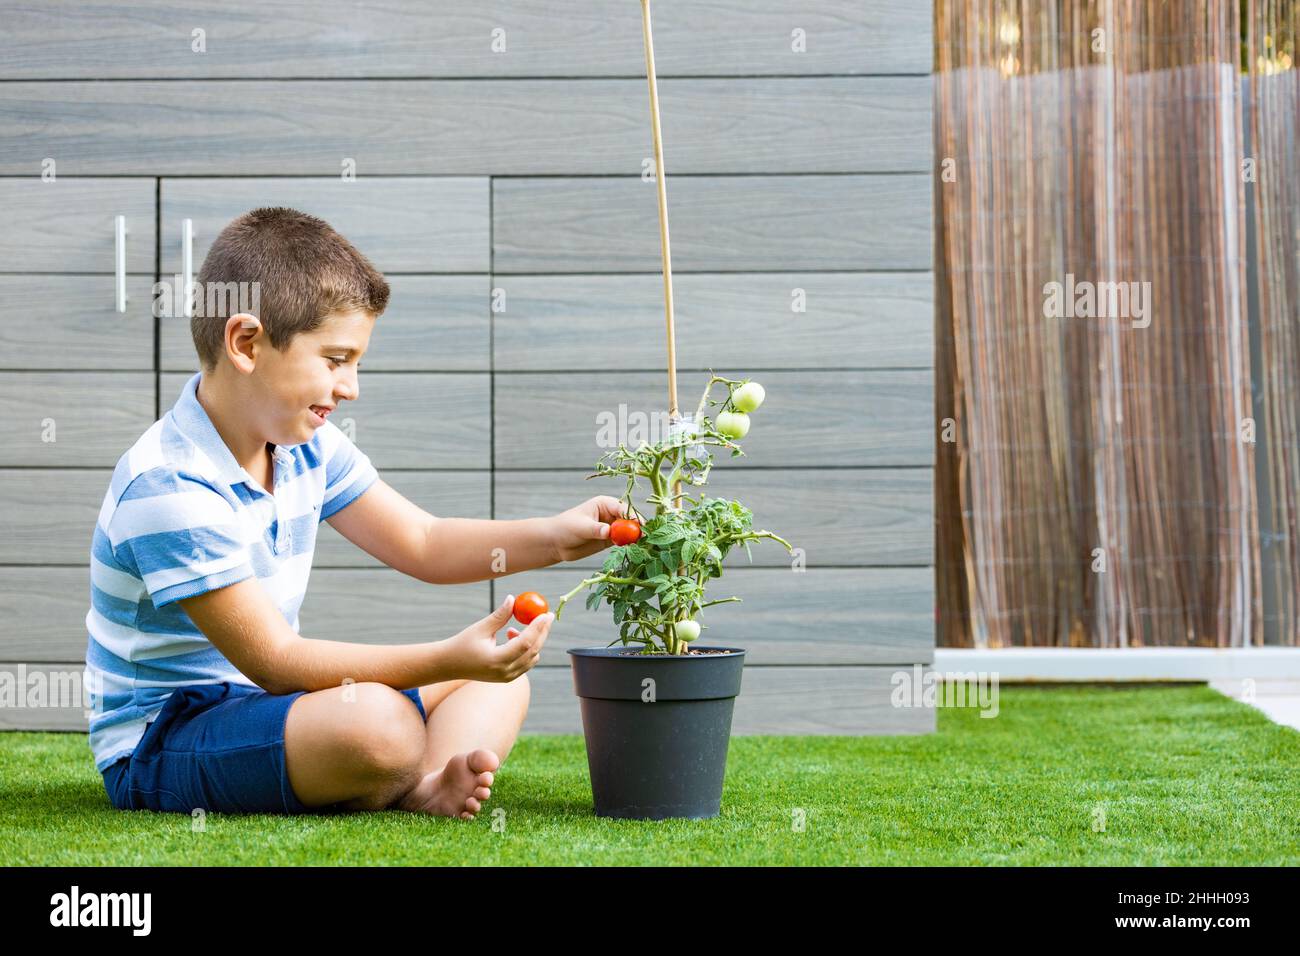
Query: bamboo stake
x=662, y=189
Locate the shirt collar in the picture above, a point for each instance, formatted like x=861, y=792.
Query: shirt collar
x=197, y=426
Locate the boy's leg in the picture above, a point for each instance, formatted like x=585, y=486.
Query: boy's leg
x=368, y=752
x=361, y=746
x=472, y=715
x=469, y=730
x=431, y=695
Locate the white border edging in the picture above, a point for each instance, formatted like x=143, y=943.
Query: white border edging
x=1123, y=664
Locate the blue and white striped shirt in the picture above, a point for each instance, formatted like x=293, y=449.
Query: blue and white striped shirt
x=182, y=517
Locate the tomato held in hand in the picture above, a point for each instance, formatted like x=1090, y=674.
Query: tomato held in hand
x=624, y=531
x=528, y=606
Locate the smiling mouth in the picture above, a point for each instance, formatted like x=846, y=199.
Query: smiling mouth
x=321, y=410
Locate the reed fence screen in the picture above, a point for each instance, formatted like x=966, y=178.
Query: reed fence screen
x=1117, y=323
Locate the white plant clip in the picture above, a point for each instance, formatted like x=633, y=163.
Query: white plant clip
x=678, y=425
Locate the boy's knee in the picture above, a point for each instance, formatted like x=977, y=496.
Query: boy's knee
x=385, y=731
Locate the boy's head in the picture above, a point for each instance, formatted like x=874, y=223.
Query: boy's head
x=283, y=310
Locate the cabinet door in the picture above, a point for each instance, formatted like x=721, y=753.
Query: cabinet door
x=59, y=307
x=76, y=319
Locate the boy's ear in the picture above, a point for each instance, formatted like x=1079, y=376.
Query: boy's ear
x=243, y=336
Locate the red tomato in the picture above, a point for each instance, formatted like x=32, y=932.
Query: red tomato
x=625, y=531
x=528, y=606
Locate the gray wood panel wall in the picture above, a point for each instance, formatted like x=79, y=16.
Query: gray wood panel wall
x=500, y=155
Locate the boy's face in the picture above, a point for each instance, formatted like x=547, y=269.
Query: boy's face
x=308, y=380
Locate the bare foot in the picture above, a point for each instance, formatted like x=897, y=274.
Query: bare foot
x=458, y=789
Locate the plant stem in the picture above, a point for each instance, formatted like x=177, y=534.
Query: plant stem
x=754, y=535
x=708, y=388
x=606, y=577
x=656, y=483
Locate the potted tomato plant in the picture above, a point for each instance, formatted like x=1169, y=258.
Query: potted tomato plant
x=656, y=710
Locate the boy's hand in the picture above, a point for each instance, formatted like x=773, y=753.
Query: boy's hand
x=475, y=654
x=584, y=529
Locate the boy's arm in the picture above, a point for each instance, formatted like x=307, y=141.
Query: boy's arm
x=243, y=623
x=436, y=550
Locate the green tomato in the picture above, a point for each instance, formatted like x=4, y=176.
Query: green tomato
x=686, y=630
x=733, y=424
x=748, y=397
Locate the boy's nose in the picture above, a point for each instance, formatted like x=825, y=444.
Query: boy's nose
x=348, y=389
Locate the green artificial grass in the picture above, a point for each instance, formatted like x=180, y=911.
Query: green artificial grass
x=1184, y=776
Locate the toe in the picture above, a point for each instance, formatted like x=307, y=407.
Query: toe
x=472, y=805
x=482, y=793
x=483, y=760
x=485, y=779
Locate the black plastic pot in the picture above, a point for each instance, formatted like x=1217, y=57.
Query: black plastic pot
x=656, y=750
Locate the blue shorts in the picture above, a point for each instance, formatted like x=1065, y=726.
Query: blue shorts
x=217, y=747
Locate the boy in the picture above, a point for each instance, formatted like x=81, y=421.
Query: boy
x=205, y=694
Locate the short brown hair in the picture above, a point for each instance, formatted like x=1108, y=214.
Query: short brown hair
x=300, y=268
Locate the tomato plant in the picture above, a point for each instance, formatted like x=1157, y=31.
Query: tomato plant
x=655, y=583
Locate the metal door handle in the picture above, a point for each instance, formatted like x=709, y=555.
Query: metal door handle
x=187, y=265
x=119, y=261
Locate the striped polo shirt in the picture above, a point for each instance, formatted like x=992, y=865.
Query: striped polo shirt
x=182, y=517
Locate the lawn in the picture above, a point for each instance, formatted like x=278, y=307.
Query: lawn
x=1183, y=776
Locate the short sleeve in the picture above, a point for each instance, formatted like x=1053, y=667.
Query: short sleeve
x=348, y=471
x=180, y=535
